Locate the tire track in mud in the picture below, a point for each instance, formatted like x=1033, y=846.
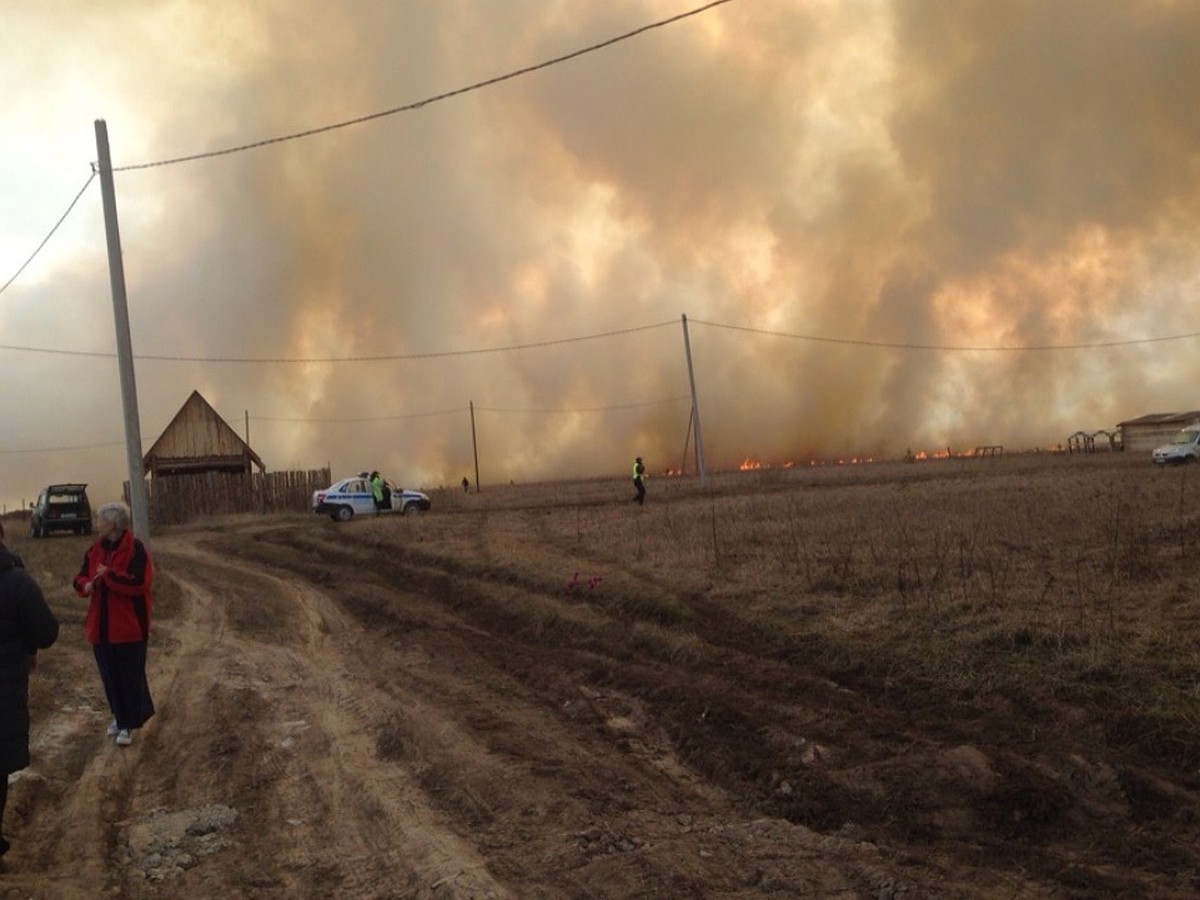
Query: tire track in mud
x=557, y=743
x=309, y=773
x=392, y=722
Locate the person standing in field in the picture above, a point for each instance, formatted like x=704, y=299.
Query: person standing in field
x=117, y=576
x=26, y=626
x=639, y=483
x=377, y=491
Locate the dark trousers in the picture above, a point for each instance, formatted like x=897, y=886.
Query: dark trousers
x=640, y=497
x=3, y=803
x=123, y=673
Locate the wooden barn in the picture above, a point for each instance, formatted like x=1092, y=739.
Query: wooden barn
x=199, y=466
x=199, y=441
x=1147, y=432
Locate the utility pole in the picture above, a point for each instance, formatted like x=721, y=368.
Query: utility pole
x=474, y=446
x=116, y=276
x=687, y=346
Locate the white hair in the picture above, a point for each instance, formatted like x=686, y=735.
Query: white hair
x=116, y=512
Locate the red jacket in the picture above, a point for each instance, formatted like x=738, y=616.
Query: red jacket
x=119, y=612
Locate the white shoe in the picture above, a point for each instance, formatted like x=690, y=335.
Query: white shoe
x=112, y=728
x=124, y=738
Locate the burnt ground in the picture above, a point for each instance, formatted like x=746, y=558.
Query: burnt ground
x=395, y=708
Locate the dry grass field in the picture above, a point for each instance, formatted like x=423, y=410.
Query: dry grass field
x=950, y=678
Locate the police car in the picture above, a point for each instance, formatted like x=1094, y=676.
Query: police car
x=352, y=496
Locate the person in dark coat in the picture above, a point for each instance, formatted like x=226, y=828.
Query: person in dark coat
x=116, y=577
x=26, y=626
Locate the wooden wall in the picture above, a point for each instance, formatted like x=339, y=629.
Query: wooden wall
x=175, y=499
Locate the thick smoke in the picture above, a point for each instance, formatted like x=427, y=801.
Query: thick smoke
x=902, y=180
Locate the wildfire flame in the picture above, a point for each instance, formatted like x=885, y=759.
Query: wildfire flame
x=750, y=464
x=936, y=454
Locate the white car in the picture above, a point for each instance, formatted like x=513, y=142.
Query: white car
x=352, y=496
x=1184, y=447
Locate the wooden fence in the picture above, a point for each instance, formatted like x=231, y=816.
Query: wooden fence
x=175, y=499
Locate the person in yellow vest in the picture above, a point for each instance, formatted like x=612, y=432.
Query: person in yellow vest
x=639, y=475
x=377, y=492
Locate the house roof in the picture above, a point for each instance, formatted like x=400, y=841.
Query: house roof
x=1168, y=418
x=198, y=439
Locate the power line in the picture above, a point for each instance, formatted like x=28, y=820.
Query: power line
x=393, y=357
x=510, y=348
x=593, y=409
x=422, y=415
x=63, y=449
x=460, y=410
x=347, y=420
x=371, y=117
x=61, y=219
x=896, y=345
x=429, y=100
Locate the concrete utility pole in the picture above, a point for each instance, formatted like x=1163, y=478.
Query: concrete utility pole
x=687, y=346
x=116, y=276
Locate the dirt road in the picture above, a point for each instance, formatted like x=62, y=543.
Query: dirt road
x=362, y=711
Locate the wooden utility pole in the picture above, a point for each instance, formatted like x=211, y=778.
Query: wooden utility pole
x=687, y=346
x=116, y=277
x=474, y=446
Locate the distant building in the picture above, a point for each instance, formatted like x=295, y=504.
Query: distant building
x=1147, y=432
x=196, y=441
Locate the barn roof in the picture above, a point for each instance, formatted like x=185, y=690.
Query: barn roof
x=1169, y=418
x=199, y=440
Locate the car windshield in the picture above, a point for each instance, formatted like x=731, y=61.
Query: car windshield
x=1185, y=437
x=63, y=498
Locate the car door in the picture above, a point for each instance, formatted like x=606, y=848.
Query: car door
x=359, y=493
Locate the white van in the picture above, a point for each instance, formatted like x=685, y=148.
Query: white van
x=1184, y=447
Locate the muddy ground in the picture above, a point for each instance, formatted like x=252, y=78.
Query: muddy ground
x=518, y=700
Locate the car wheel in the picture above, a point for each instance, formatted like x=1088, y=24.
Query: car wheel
x=412, y=508
x=343, y=514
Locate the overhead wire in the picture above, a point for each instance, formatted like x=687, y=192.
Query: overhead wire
x=46, y=239
x=63, y=449
x=345, y=419
x=388, y=357
x=408, y=107
x=477, y=408
x=956, y=348
x=587, y=409
x=510, y=348
x=392, y=418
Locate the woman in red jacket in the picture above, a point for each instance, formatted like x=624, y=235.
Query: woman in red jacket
x=116, y=576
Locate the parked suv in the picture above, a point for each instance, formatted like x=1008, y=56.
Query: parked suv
x=61, y=507
x=1184, y=447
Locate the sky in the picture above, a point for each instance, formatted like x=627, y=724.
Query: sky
x=890, y=225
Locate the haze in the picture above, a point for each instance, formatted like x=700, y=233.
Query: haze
x=889, y=177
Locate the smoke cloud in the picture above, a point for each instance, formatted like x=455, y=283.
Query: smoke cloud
x=903, y=180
